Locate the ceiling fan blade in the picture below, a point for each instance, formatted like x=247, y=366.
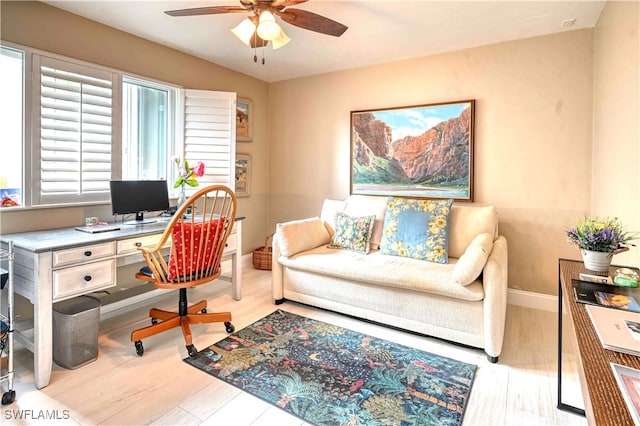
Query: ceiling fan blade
x=286, y=3
x=206, y=10
x=312, y=21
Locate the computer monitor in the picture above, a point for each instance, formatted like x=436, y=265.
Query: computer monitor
x=137, y=197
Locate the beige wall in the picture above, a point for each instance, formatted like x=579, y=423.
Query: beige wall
x=537, y=128
x=616, y=136
x=43, y=27
x=532, y=141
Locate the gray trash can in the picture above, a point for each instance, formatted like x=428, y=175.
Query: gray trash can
x=75, y=331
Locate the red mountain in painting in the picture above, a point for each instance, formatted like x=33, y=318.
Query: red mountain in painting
x=441, y=154
x=443, y=151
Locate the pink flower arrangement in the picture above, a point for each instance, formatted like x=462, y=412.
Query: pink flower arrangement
x=188, y=174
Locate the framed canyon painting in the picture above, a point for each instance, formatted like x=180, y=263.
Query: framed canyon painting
x=423, y=151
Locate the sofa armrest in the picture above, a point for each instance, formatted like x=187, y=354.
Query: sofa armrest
x=291, y=238
x=301, y=235
x=495, y=284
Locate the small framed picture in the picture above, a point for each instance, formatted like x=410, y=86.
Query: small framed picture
x=243, y=175
x=244, y=120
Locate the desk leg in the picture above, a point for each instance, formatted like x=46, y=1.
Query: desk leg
x=236, y=265
x=42, y=325
x=561, y=405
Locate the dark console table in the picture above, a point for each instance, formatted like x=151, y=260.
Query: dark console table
x=604, y=404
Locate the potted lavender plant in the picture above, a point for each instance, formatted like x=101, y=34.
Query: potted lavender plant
x=598, y=240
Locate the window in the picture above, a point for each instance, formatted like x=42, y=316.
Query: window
x=72, y=126
x=148, y=130
x=74, y=132
x=210, y=123
x=12, y=124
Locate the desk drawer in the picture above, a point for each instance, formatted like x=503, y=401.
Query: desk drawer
x=84, y=278
x=131, y=245
x=83, y=254
x=232, y=244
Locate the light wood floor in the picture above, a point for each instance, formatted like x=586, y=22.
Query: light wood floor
x=120, y=388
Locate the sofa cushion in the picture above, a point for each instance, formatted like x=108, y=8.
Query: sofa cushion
x=364, y=205
x=352, y=232
x=380, y=269
x=417, y=228
x=469, y=266
x=299, y=235
x=329, y=210
x=467, y=221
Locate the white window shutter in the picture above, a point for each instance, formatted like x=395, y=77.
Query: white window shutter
x=210, y=134
x=74, y=131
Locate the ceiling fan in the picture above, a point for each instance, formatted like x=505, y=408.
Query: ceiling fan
x=260, y=27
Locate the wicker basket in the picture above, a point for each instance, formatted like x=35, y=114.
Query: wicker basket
x=262, y=255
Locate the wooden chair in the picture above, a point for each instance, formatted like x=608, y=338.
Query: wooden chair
x=199, y=232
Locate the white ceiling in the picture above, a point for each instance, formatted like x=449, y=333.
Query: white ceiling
x=379, y=31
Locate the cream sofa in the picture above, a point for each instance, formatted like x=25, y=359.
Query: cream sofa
x=463, y=301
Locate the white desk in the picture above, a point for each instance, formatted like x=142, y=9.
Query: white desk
x=57, y=264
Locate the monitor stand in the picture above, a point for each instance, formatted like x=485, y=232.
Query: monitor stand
x=140, y=220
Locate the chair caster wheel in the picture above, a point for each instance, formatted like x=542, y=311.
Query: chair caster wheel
x=154, y=321
x=229, y=327
x=139, y=348
x=8, y=397
x=204, y=311
x=192, y=351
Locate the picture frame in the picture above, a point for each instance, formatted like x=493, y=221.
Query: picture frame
x=243, y=175
x=421, y=151
x=244, y=120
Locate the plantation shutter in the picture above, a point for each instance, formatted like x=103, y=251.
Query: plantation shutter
x=75, y=130
x=210, y=135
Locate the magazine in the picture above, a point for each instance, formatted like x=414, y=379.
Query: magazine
x=629, y=383
x=617, y=330
x=618, y=301
x=591, y=294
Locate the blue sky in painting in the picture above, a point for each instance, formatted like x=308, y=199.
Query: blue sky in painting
x=415, y=121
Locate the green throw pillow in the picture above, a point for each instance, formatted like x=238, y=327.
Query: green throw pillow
x=352, y=233
x=417, y=228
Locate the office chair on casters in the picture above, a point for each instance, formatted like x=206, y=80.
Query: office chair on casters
x=199, y=232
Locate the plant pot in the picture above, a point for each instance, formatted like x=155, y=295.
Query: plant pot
x=596, y=260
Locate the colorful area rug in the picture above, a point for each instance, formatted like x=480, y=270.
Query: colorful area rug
x=328, y=375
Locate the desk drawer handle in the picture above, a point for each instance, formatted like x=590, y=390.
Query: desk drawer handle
x=87, y=278
x=138, y=244
x=88, y=253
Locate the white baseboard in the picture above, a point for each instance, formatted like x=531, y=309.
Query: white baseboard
x=544, y=302
x=247, y=260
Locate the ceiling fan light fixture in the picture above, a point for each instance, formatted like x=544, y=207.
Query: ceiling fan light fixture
x=244, y=31
x=268, y=28
x=280, y=40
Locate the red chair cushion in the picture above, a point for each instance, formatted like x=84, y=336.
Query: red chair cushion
x=207, y=234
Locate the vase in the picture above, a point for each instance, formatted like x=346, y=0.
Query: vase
x=182, y=196
x=598, y=261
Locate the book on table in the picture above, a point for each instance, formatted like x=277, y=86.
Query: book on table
x=606, y=296
x=617, y=330
x=628, y=380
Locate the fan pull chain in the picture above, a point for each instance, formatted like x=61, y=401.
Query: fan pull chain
x=255, y=46
x=255, y=56
x=255, y=49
